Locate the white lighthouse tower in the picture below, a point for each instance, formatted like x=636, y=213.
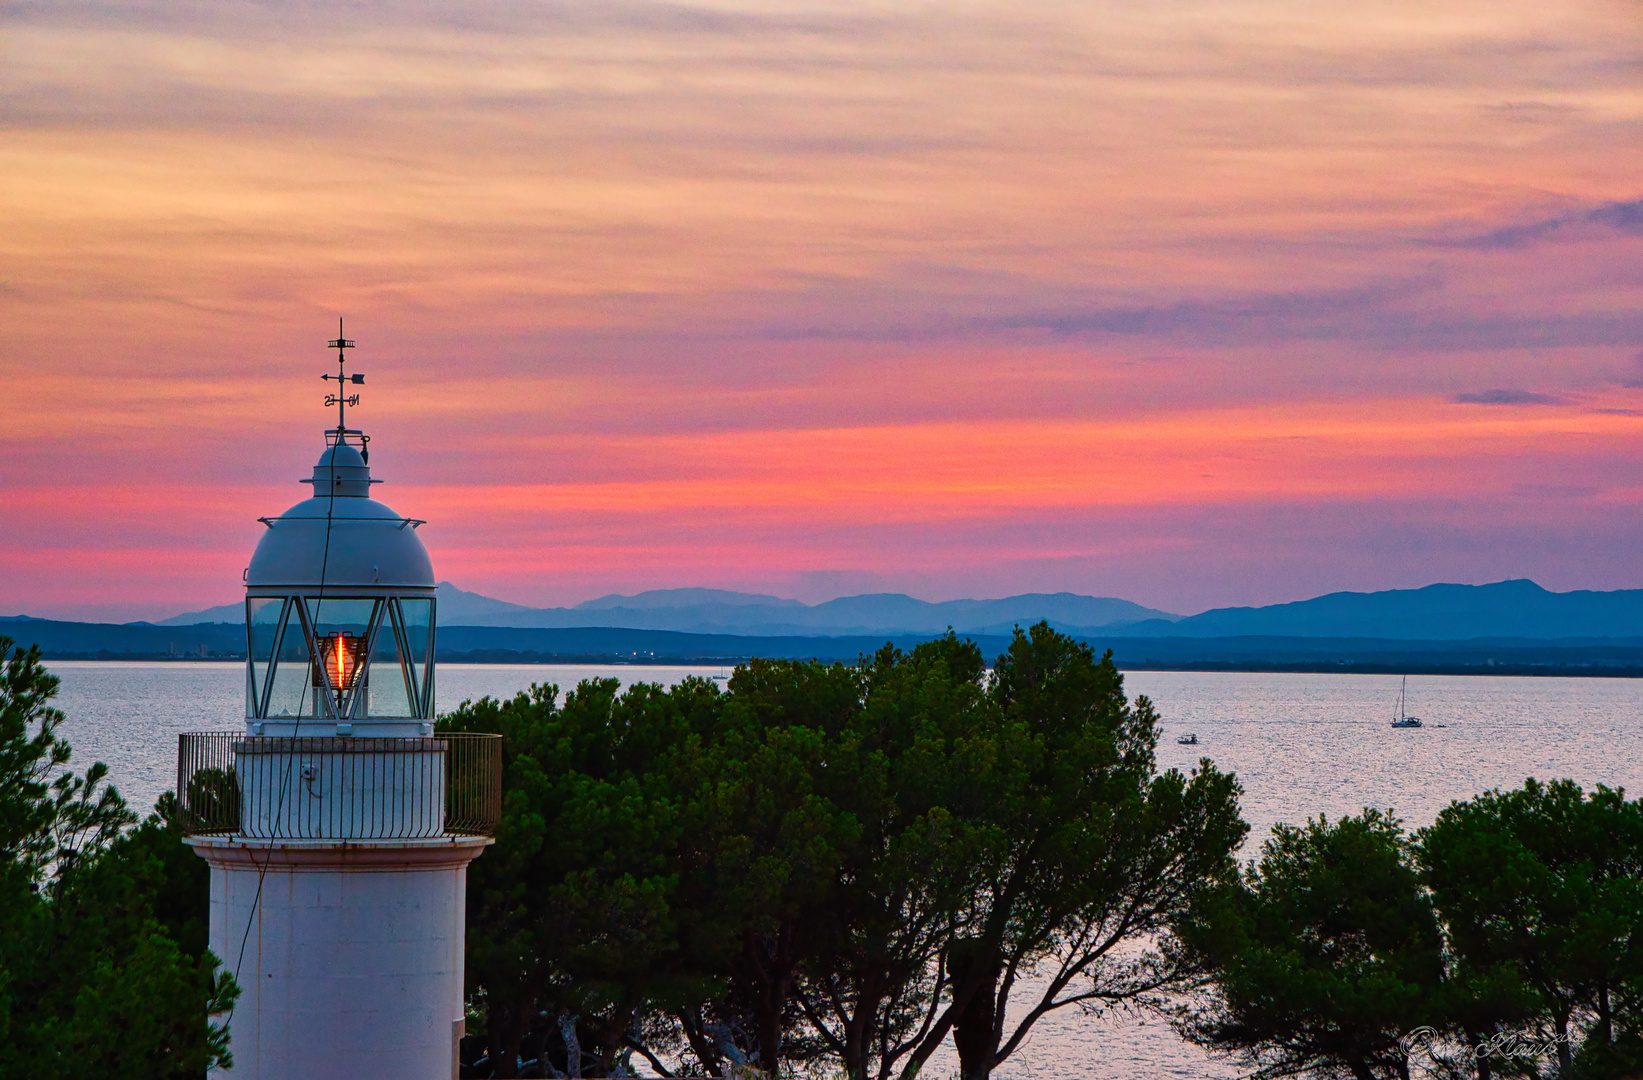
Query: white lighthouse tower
x=338, y=826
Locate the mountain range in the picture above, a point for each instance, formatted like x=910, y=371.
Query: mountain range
x=1516, y=609
x=718, y=611
x=1504, y=609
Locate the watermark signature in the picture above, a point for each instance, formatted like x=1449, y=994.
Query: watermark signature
x=1431, y=1044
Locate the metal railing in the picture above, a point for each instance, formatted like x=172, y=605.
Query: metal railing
x=314, y=788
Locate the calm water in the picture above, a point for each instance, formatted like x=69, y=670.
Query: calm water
x=1301, y=744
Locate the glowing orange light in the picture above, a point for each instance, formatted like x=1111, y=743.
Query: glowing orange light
x=340, y=651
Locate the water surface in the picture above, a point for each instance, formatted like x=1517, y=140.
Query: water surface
x=1302, y=745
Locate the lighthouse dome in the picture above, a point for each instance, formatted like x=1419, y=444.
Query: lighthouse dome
x=340, y=603
x=340, y=537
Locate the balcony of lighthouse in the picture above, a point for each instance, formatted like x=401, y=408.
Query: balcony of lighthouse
x=339, y=789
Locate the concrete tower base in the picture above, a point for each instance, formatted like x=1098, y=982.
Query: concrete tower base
x=352, y=954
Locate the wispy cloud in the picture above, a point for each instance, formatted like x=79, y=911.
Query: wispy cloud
x=1633, y=378
x=1621, y=217
x=663, y=259
x=1506, y=397
x=1425, y=313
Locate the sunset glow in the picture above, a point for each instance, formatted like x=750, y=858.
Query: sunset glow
x=1193, y=304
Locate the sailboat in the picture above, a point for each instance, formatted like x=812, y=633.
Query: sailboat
x=1401, y=718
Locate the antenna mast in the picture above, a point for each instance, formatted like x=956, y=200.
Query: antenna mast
x=338, y=399
x=341, y=400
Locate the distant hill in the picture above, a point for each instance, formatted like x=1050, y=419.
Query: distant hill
x=1504, y=609
x=719, y=611
x=128, y=641
x=592, y=645
x=1065, y=611
x=657, y=599
x=222, y=613
x=456, y=607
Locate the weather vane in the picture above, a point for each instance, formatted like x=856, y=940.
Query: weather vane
x=340, y=400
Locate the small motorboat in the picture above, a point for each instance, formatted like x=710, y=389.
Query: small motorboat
x=1188, y=740
x=1401, y=717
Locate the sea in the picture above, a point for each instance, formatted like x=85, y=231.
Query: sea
x=1301, y=745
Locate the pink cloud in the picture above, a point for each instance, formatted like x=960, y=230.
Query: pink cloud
x=1182, y=306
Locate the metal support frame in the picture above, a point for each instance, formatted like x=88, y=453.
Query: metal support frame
x=416, y=671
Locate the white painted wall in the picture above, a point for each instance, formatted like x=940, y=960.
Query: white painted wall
x=352, y=963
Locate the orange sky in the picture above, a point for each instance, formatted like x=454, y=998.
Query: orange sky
x=1195, y=304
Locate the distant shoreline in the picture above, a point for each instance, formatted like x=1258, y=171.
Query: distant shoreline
x=1590, y=657
x=1519, y=670
x=1565, y=671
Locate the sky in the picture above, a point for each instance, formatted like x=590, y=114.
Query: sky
x=1192, y=303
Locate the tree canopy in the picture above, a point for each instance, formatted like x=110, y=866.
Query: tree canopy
x=1324, y=955
x=829, y=861
x=1541, y=891
x=103, y=961
x=1502, y=940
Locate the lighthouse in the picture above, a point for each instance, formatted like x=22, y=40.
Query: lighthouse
x=338, y=825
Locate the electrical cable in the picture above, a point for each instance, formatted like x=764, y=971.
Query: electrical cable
x=285, y=773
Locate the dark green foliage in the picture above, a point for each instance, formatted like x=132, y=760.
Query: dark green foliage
x=830, y=861
x=854, y=862
x=1502, y=942
x=1092, y=853
x=1025, y=832
x=767, y=826
x=103, y=961
x=1325, y=955
x=570, y=913
x=1542, y=893
x=213, y=801
x=915, y=764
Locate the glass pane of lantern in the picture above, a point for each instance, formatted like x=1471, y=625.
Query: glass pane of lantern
x=388, y=694
x=262, y=623
x=292, y=693
x=342, y=629
x=419, y=638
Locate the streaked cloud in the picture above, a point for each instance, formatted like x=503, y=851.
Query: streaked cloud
x=947, y=297
x=1507, y=397
x=1625, y=217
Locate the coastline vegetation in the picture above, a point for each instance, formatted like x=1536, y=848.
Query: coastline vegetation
x=832, y=866
x=1503, y=940
x=826, y=870
x=829, y=870
x=104, y=969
